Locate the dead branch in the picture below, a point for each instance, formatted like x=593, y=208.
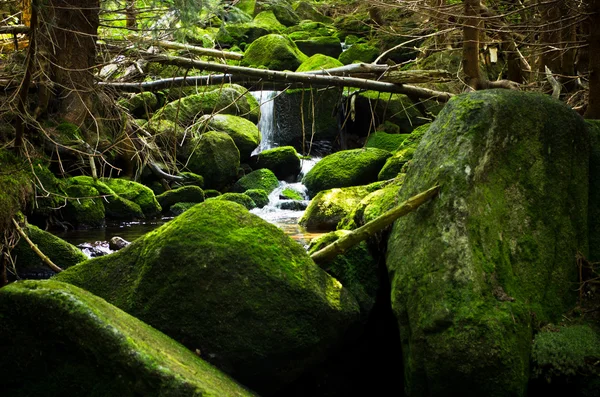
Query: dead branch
x=35, y=249
x=14, y=29
x=187, y=47
x=362, y=233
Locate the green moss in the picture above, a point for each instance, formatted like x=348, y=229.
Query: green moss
x=244, y=133
x=385, y=141
x=389, y=127
x=90, y=347
x=180, y=208
x=85, y=207
x=593, y=127
x=305, y=10
x=192, y=179
x=282, y=10
x=240, y=198
x=216, y=158
x=329, y=207
x=360, y=52
x=395, y=108
x=496, y=245
x=260, y=179
x=211, y=193
x=220, y=279
x=326, y=45
x=137, y=193
x=356, y=269
x=259, y=196
x=566, y=352
x=63, y=254
x=140, y=105
x=167, y=134
x=283, y=161
x=264, y=23
x=291, y=194
x=274, y=52
x=185, y=194
x=16, y=187
x=68, y=132
x=393, y=166
x=247, y=6
x=318, y=62
x=345, y=168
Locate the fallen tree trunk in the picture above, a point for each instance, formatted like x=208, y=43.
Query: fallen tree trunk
x=14, y=29
x=362, y=233
x=289, y=77
x=196, y=50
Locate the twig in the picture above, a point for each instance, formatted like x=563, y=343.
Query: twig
x=35, y=249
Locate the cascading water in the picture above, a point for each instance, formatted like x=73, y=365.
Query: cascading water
x=266, y=124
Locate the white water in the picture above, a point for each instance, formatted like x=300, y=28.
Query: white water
x=266, y=124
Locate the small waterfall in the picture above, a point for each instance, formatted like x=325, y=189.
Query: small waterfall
x=266, y=124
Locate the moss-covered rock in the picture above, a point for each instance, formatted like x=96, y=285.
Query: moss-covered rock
x=227, y=100
x=85, y=206
x=244, y=133
x=307, y=11
x=345, y=168
x=140, y=105
x=248, y=6
x=167, y=134
x=305, y=117
x=16, y=187
x=385, y=141
x=283, y=161
x=60, y=340
x=394, y=165
x=216, y=157
x=115, y=206
x=497, y=244
x=594, y=200
x=220, y=279
x=191, y=179
x=240, y=198
x=259, y=196
x=361, y=52
x=29, y=264
x=185, y=194
x=318, y=62
x=356, y=269
x=326, y=45
x=274, y=52
x=282, y=9
x=262, y=178
x=329, y=207
x=137, y=193
x=263, y=24
x=208, y=193
x=180, y=208
x=291, y=194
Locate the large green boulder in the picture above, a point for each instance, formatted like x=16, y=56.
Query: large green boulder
x=59, y=340
x=30, y=265
x=326, y=45
x=499, y=243
x=240, y=198
x=222, y=280
x=236, y=33
x=403, y=154
x=283, y=161
x=282, y=9
x=305, y=10
x=245, y=133
x=360, y=52
x=329, y=207
x=262, y=178
x=84, y=208
x=216, y=157
x=275, y=52
x=385, y=141
x=166, y=133
x=345, y=168
x=184, y=194
x=319, y=62
x=137, y=193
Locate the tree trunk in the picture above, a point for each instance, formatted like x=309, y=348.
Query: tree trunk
x=593, y=109
x=550, y=37
x=471, y=44
x=130, y=15
x=68, y=49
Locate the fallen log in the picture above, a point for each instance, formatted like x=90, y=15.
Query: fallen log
x=289, y=78
x=362, y=233
x=14, y=29
x=171, y=45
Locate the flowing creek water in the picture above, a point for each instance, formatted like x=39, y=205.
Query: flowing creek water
x=277, y=212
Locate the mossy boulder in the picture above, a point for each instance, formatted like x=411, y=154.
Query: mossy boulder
x=307, y=11
x=60, y=340
x=497, y=244
x=140, y=105
x=29, y=264
x=394, y=165
x=180, y=208
x=282, y=9
x=220, y=279
x=248, y=6
x=318, y=62
x=345, y=168
x=262, y=178
x=191, y=179
x=329, y=207
x=228, y=100
x=283, y=161
x=356, y=269
x=291, y=194
x=85, y=207
x=137, y=193
x=167, y=134
x=216, y=157
x=185, y=194
x=259, y=196
x=305, y=118
x=235, y=33
x=16, y=187
x=240, y=198
x=594, y=200
x=385, y=141
x=326, y=45
x=360, y=52
x=244, y=133
x=115, y=206
x=274, y=52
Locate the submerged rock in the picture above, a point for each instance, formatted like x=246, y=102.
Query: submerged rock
x=59, y=340
x=220, y=279
x=470, y=268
